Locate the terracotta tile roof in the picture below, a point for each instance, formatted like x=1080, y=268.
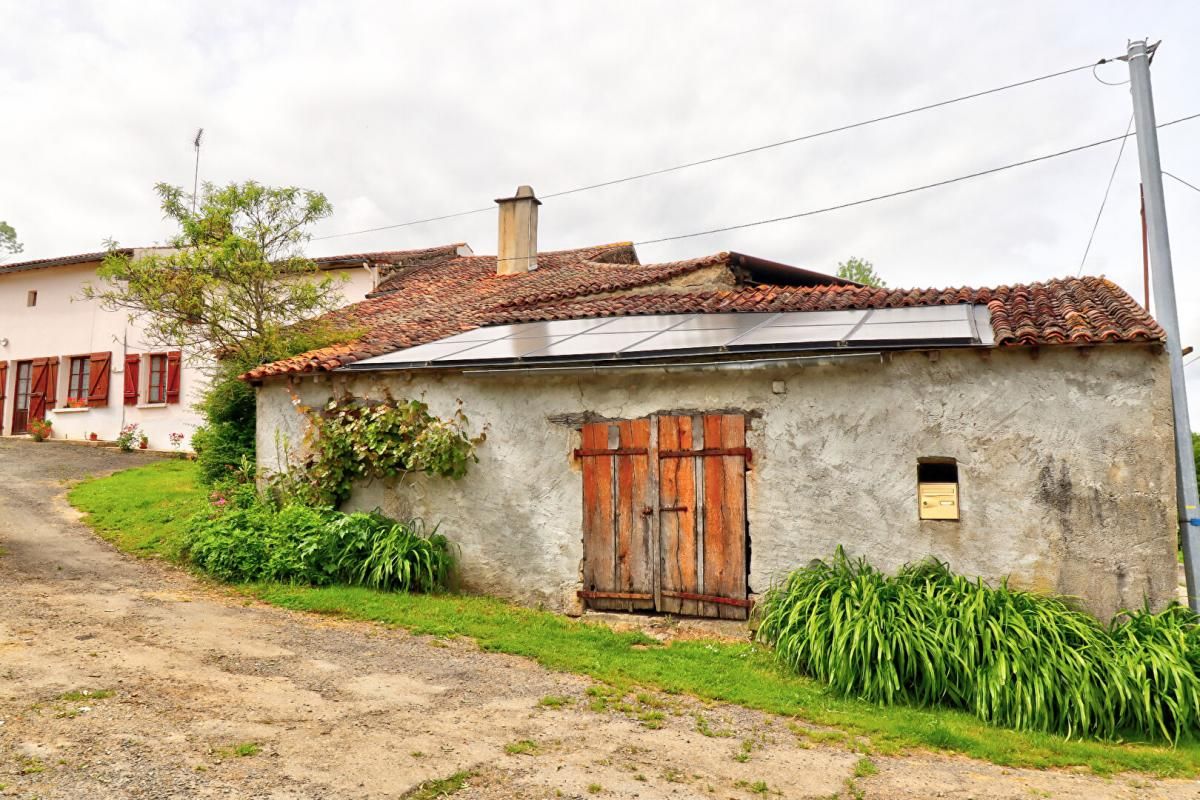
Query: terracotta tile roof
x=394, y=256
x=436, y=300
x=57, y=261
x=1079, y=311
x=386, y=257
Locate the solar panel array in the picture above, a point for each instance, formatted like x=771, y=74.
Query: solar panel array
x=666, y=335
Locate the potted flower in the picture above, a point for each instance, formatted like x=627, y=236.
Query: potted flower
x=143, y=441
x=93, y=436
x=129, y=434
x=176, y=442
x=39, y=429
x=77, y=402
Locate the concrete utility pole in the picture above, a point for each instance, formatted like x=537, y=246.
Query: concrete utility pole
x=1168, y=316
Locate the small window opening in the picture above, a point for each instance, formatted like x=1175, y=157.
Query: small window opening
x=156, y=390
x=937, y=488
x=78, y=381
x=31, y=298
x=937, y=471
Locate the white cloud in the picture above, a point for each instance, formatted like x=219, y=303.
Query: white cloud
x=406, y=110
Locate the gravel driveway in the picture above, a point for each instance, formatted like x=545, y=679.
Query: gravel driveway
x=346, y=710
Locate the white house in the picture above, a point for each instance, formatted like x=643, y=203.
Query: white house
x=90, y=372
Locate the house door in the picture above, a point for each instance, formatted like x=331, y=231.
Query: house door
x=664, y=515
x=21, y=397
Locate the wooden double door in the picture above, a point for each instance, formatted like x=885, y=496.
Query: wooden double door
x=664, y=515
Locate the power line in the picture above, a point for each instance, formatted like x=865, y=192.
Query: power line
x=737, y=153
x=909, y=190
x=1181, y=180
x=1104, y=201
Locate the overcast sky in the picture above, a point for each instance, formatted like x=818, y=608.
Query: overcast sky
x=402, y=110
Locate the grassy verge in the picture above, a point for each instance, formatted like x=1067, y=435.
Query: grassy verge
x=143, y=510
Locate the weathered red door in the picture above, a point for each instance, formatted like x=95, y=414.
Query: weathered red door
x=617, y=566
x=702, y=490
x=664, y=515
x=21, y=397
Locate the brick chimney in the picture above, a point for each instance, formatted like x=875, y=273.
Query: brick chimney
x=517, y=251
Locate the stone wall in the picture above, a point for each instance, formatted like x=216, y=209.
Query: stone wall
x=1065, y=463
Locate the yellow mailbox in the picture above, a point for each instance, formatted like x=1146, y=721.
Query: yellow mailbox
x=938, y=500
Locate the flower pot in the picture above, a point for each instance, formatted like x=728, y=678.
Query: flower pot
x=143, y=445
x=92, y=437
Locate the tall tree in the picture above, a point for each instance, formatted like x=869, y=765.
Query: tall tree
x=237, y=279
x=861, y=271
x=234, y=286
x=9, y=246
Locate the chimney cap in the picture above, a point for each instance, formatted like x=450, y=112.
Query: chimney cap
x=524, y=192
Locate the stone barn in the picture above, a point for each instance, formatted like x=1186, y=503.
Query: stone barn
x=673, y=437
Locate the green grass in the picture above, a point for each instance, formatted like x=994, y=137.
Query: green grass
x=440, y=787
x=142, y=510
x=85, y=694
x=524, y=747
x=240, y=750
x=127, y=506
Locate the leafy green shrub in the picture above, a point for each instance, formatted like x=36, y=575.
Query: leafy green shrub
x=299, y=547
x=929, y=637
x=404, y=557
x=352, y=438
x=227, y=436
x=232, y=545
x=248, y=538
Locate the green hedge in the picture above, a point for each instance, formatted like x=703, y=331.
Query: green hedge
x=929, y=637
x=245, y=538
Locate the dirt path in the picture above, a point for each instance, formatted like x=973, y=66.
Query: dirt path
x=342, y=710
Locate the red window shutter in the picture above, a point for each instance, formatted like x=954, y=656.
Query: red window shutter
x=133, y=363
x=51, y=382
x=173, y=370
x=99, y=372
x=38, y=372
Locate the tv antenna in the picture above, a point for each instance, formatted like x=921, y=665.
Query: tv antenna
x=196, y=176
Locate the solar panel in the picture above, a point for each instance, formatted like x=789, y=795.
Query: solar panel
x=657, y=336
x=514, y=347
x=808, y=334
x=806, y=318
x=424, y=352
x=652, y=323
x=558, y=327
x=705, y=322
x=958, y=331
x=603, y=345
x=678, y=339
x=919, y=314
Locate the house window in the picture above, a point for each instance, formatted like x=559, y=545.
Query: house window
x=156, y=389
x=78, y=380
x=937, y=488
x=31, y=298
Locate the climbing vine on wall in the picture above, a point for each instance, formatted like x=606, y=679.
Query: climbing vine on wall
x=351, y=439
